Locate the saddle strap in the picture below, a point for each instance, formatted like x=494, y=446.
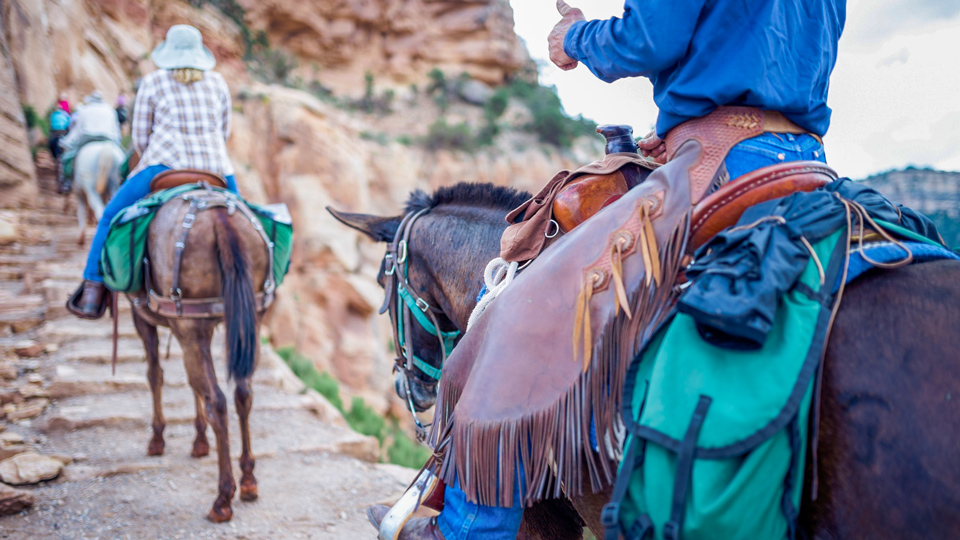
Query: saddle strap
x=176, y=305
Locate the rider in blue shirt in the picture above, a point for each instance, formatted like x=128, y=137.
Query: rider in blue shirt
x=774, y=55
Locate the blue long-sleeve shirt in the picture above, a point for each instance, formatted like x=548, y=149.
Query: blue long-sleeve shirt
x=701, y=54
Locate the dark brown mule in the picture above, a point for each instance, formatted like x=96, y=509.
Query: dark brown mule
x=449, y=247
x=224, y=256
x=887, y=458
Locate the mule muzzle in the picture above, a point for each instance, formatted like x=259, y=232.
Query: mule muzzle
x=421, y=395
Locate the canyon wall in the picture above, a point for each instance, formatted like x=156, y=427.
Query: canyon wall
x=298, y=146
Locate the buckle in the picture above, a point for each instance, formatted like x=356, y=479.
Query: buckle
x=422, y=304
x=610, y=514
x=188, y=220
x=671, y=530
x=390, y=267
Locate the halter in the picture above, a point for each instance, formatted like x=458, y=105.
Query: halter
x=409, y=304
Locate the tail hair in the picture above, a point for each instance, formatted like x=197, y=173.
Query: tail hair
x=239, y=303
x=105, y=167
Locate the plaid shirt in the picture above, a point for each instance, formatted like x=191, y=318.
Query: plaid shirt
x=182, y=126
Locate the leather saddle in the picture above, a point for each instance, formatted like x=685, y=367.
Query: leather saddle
x=588, y=194
x=724, y=207
x=178, y=177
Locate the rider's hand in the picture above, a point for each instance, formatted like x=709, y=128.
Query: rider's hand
x=653, y=147
x=559, y=32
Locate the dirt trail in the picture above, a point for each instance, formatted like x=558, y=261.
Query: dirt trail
x=315, y=475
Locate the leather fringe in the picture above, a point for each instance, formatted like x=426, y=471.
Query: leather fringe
x=552, y=447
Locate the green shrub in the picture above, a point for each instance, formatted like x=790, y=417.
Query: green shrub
x=304, y=369
x=442, y=135
x=30, y=116
x=365, y=420
x=549, y=122
x=272, y=66
x=496, y=105
x=405, y=451
x=402, y=450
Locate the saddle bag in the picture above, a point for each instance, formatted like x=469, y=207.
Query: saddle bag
x=122, y=257
x=717, y=406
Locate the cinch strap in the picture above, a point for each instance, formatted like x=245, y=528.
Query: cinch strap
x=688, y=449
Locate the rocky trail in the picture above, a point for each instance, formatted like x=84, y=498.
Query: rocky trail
x=74, y=436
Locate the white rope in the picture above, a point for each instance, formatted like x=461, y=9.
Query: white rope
x=496, y=276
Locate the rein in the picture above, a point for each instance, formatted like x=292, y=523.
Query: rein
x=407, y=307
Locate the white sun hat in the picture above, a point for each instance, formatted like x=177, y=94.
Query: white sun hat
x=183, y=48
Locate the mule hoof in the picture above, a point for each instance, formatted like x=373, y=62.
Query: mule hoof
x=249, y=493
x=220, y=515
x=156, y=447
x=200, y=449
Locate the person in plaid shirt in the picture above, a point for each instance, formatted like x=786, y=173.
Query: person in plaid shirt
x=181, y=120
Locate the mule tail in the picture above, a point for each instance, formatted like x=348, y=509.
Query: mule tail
x=105, y=167
x=239, y=303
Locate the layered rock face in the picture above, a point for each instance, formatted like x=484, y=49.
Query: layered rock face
x=17, y=176
x=401, y=39
x=289, y=146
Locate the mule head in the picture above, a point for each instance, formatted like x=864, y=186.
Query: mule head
x=419, y=388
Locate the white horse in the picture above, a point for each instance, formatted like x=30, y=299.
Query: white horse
x=96, y=178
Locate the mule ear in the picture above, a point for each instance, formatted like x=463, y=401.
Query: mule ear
x=380, y=229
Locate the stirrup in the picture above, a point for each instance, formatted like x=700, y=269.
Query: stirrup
x=74, y=309
x=400, y=513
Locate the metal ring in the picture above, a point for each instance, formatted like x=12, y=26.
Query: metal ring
x=402, y=252
x=556, y=230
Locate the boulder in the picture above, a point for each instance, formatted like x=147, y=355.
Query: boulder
x=28, y=349
x=13, y=500
x=475, y=92
x=29, y=468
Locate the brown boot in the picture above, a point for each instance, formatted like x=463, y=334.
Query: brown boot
x=89, y=300
x=415, y=529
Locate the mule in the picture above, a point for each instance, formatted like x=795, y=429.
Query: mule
x=96, y=177
x=888, y=425
x=224, y=256
x=449, y=247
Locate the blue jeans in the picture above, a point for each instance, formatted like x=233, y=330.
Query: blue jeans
x=132, y=190
x=463, y=520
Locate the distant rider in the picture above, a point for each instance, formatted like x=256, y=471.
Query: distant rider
x=181, y=120
x=773, y=55
x=94, y=121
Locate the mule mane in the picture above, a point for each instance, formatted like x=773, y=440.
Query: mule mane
x=477, y=195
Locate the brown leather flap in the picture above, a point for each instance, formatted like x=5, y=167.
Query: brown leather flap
x=179, y=177
x=724, y=207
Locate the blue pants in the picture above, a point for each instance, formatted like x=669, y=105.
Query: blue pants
x=135, y=188
x=463, y=520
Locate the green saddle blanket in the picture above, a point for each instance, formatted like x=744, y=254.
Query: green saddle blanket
x=717, y=437
x=122, y=257
x=69, y=157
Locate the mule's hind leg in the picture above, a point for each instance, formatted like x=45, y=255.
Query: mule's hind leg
x=151, y=343
x=82, y=222
x=201, y=447
x=195, y=337
x=244, y=401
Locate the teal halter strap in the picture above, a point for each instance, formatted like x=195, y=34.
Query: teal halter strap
x=418, y=308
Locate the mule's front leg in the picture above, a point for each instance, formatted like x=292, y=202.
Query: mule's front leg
x=151, y=343
x=244, y=401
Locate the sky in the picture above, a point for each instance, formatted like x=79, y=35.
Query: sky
x=895, y=91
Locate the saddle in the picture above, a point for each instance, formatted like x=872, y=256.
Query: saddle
x=178, y=177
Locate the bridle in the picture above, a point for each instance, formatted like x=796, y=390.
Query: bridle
x=406, y=306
